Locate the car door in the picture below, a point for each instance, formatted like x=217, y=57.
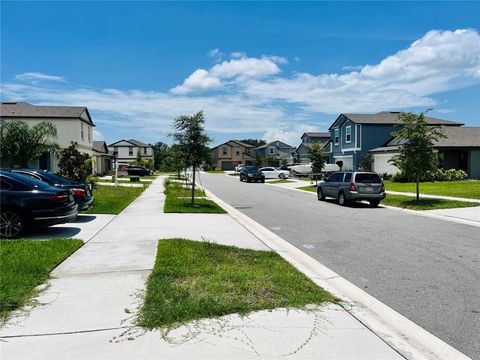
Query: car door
x=268, y=172
x=334, y=183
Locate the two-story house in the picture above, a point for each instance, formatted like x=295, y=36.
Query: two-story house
x=126, y=151
x=228, y=155
x=73, y=123
x=354, y=135
x=307, y=139
x=282, y=152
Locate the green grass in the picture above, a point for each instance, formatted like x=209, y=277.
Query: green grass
x=196, y=280
x=215, y=172
x=466, y=189
x=280, y=181
x=176, y=188
x=308, y=188
x=234, y=174
x=112, y=200
x=26, y=264
x=183, y=205
x=408, y=202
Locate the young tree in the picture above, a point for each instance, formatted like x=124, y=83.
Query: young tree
x=139, y=159
x=21, y=143
x=175, y=159
x=416, y=155
x=190, y=135
x=74, y=165
x=317, y=158
x=160, y=153
x=366, y=163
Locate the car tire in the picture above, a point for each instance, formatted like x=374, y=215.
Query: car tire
x=320, y=194
x=247, y=180
x=281, y=176
x=12, y=224
x=342, y=201
x=263, y=181
x=374, y=202
x=294, y=173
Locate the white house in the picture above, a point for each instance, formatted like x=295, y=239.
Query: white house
x=73, y=123
x=126, y=150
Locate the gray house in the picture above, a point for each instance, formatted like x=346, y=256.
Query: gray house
x=278, y=150
x=354, y=135
x=307, y=139
x=460, y=150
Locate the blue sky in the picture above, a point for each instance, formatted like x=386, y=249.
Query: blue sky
x=267, y=70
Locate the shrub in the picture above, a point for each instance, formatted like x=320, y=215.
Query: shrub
x=437, y=175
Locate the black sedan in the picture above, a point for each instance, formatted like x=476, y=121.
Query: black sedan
x=251, y=173
x=136, y=170
x=27, y=202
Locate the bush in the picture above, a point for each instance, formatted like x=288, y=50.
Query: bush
x=437, y=175
x=74, y=165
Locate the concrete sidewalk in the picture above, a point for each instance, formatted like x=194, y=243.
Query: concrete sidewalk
x=88, y=310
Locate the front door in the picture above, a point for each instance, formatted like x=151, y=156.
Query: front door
x=463, y=160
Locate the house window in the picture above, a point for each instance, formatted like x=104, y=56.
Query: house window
x=337, y=135
x=271, y=151
x=225, y=151
x=348, y=134
x=247, y=150
x=89, y=134
x=237, y=151
x=130, y=151
x=115, y=151
x=81, y=132
x=144, y=151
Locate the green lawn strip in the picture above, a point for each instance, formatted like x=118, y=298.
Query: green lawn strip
x=234, y=174
x=27, y=264
x=178, y=189
x=465, y=189
x=311, y=188
x=196, y=280
x=175, y=204
x=112, y=200
x=280, y=181
x=408, y=202
x=215, y=172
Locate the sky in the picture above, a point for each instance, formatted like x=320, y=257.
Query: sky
x=269, y=70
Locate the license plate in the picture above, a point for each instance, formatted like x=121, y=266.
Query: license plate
x=369, y=189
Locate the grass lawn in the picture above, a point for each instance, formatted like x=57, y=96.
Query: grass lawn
x=280, y=181
x=311, y=188
x=215, y=172
x=234, y=174
x=408, y=202
x=27, y=264
x=195, y=280
x=112, y=200
x=465, y=188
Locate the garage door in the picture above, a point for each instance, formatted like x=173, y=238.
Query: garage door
x=347, y=162
x=228, y=165
x=382, y=166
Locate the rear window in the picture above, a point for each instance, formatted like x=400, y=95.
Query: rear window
x=28, y=181
x=367, y=179
x=57, y=179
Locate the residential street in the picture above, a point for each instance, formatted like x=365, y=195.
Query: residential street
x=424, y=268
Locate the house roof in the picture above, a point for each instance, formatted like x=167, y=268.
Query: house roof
x=100, y=146
x=235, y=141
x=457, y=136
x=133, y=142
x=276, y=143
x=26, y=110
x=389, y=118
x=316, y=134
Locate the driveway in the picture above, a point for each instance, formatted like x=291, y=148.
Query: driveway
x=425, y=268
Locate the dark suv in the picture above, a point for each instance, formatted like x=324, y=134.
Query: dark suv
x=137, y=170
x=251, y=173
x=352, y=186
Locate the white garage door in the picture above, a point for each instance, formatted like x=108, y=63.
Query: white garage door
x=381, y=164
x=347, y=162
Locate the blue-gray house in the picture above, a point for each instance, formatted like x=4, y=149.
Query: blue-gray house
x=307, y=139
x=277, y=149
x=354, y=135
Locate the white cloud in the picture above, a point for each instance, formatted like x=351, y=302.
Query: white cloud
x=37, y=76
x=290, y=135
x=216, y=54
x=98, y=135
x=200, y=80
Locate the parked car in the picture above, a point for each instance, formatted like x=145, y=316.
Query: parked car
x=274, y=173
x=137, y=170
x=82, y=193
x=251, y=173
x=27, y=202
x=352, y=186
x=239, y=167
x=306, y=169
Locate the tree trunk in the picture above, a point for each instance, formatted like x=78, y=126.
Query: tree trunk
x=193, y=186
x=418, y=189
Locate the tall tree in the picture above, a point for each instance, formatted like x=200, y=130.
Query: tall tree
x=254, y=142
x=21, y=143
x=190, y=135
x=160, y=153
x=317, y=158
x=416, y=155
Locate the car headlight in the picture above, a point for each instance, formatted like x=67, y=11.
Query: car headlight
x=249, y=175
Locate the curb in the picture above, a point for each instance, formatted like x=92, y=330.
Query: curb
x=402, y=334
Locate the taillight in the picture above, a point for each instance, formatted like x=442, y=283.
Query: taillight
x=79, y=192
x=59, y=198
x=383, y=187
x=353, y=187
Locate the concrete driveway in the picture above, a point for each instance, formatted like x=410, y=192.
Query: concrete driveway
x=84, y=227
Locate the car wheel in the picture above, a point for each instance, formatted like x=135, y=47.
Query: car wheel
x=11, y=224
x=247, y=180
x=342, y=201
x=374, y=203
x=294, y=173
x=263, y=181
x=320, y=194
x=281, y=176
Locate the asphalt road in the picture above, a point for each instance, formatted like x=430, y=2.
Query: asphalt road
x=426, y=269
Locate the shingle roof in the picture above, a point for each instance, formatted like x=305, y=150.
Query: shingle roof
x=391, y=118
x=316, y=134
x=235, y=141
x=99, y=146
x=26, y=110
x=276, y=143
x=138, y=143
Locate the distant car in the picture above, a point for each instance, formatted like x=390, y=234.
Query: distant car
x=239, y=167
x=348, y=186
x=274, y=173
x=137, y=170
x=82, y=193
x=27, y=202
x=306, y=169
x=251, y=173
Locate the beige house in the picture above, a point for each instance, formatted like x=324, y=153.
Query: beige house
x=126, y=151
x=73, y=123
x=232, y=153
x=102, y=159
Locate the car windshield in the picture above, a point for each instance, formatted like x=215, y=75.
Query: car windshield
x=252, y=169
x=28, y=180
x=367, y=178
x=56, y=179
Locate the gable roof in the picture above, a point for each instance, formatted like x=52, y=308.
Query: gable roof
x=133, y=142
x=316, y=134
x=387, y=118
x=26, y=110
x=235, y=141
x=100, y=146
x=276, y=143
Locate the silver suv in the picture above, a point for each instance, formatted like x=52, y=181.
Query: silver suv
x=348, y=186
